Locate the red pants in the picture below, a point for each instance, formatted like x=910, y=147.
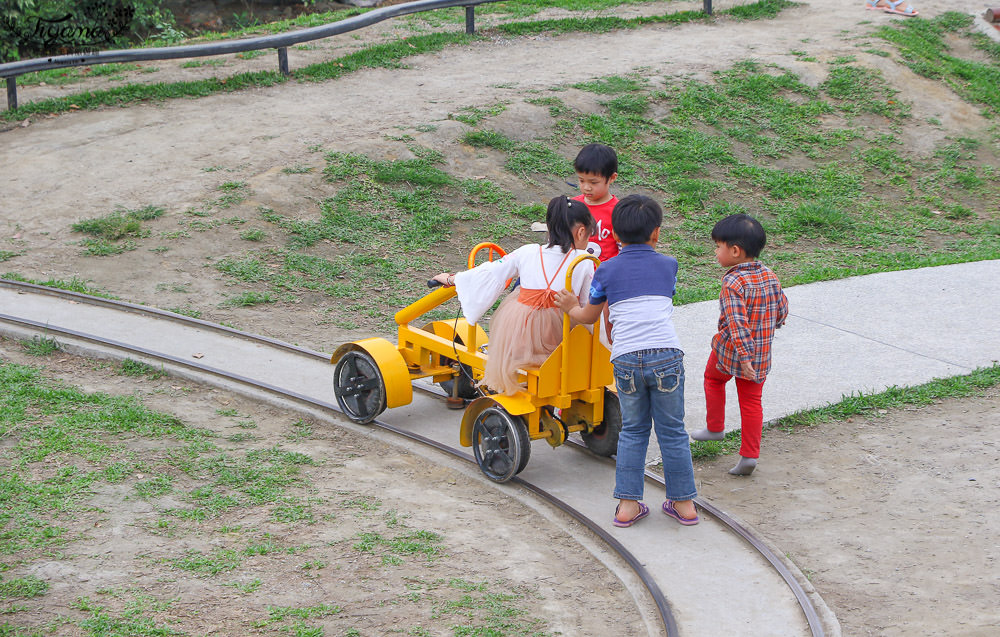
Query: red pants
x=751, y=412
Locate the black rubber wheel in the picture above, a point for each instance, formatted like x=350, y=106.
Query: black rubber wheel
x=603, y=440
x=359, y=387
x=500, y=443
x=466, y=386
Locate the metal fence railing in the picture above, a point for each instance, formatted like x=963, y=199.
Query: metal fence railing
x=11, y=70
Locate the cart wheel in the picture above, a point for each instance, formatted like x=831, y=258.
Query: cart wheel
x=466, y=386
x=603, y=439
x=501, y=444
x=359, y=387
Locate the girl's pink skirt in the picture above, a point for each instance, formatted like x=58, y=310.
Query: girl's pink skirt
x=520, y=336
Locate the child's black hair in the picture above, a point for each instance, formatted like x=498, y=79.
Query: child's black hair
x=562, y=216
x=596, y=159
x=635, y=218
x=740, y=230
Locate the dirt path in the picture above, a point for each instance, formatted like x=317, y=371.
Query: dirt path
x=882, y=559
x=894, y=519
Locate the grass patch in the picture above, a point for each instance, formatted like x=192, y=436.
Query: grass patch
x=73, y=285
x=924, y=48
x=41, y=345
x=41, y=420
x=425, y=543
x=58, y=77
x=119, y=224
x=713, y=448
x=135, y=93
x=249, y=299
x=134, y=368
x=23, y=587
x=472, y=116
x=873, y=404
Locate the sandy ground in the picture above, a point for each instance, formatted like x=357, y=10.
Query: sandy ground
x=892, y=516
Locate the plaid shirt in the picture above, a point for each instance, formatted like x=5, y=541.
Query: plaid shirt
x=752, y=306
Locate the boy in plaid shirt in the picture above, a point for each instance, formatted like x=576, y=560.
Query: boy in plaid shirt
x=752, y=306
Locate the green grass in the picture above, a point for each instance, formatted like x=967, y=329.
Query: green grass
x=41, y=346
x=709, y=449
x=973, y=384
x=923, y=47
x=130, y=367
x=119, y=224
x=58, y=77
x=73, y=285
x=135, y=93
x=22, y=587
x=472, y=116
x=249, y=299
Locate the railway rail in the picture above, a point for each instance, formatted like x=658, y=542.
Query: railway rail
x=666, y=616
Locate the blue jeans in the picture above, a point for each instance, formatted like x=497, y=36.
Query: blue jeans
x=651, y=392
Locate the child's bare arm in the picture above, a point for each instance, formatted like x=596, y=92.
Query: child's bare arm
x=568, y=303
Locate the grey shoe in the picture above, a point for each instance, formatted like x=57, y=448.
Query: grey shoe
x=744, y=467
x=705, y=434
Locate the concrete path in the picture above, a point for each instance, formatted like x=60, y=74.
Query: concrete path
x=855, y=335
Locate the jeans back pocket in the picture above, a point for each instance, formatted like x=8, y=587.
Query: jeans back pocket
x=668, y=378
x=625, y=380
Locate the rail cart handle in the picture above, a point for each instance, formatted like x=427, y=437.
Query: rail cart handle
x=565, y=339
x=577, y=261
x=493, y=249
x=569, y=285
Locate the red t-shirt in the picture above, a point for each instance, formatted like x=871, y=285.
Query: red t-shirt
x=603, y=239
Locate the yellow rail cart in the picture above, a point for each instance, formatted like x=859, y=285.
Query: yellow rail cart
x=572, y=391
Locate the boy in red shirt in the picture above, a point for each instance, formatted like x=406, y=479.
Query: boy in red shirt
x=596, y=167
x=752, y=305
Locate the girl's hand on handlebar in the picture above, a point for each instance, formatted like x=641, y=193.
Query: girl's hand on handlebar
x=444, y=279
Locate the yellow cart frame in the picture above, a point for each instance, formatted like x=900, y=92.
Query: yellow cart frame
x=570, y=392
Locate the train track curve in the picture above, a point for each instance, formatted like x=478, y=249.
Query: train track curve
x=20, y=324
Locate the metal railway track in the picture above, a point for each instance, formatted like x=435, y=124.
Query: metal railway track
x=663, y=606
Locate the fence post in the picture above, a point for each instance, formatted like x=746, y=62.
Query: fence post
x=283, y=60
x=12, y=92
x=470, y=19
x=707, y=4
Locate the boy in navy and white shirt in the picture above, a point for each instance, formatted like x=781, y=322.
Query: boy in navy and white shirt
x=638, y=287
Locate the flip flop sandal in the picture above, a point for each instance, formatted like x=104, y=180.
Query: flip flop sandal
x=909, y=11
x=872, y=4
x=643, y=512
x=668, y=508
